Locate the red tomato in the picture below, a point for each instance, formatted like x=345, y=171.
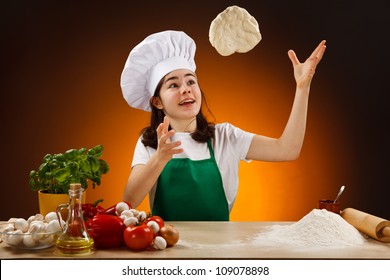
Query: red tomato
x=157, y=219
x=138, y=237
x=75, y=228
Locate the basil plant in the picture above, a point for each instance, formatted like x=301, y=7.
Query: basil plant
x=58, y=171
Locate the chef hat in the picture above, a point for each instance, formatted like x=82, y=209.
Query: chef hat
x=149, y=61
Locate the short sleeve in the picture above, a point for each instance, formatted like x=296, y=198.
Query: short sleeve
x=233, y=140
x=142, y=154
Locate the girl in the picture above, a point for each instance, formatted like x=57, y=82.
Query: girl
x=188, y=166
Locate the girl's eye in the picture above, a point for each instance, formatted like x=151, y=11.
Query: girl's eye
x=191, y=82
x=175, y=85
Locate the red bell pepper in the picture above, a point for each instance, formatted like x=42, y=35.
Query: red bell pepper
x=107, y=231
x=91, y=209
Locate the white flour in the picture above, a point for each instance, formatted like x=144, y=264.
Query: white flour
x=318, y=228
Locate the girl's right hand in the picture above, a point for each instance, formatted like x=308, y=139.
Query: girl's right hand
x=165, y=148
x=304, y=72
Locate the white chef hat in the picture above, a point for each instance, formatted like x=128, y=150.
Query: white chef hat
x=149, y=61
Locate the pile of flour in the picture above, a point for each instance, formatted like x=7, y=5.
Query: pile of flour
x=317, y=228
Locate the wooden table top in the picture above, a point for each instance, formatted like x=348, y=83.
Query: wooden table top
x=219, y=240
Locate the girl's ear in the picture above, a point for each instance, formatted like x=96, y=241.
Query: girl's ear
x=156, y=102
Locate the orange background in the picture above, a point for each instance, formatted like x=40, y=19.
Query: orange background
x=61, y=90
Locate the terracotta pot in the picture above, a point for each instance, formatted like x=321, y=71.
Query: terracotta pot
x=48, y=202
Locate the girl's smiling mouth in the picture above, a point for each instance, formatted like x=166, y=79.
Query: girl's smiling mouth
x=186, y=102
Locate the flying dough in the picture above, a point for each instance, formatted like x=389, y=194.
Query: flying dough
x=234, y=30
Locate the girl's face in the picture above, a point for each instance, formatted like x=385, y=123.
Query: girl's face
x=180, y=96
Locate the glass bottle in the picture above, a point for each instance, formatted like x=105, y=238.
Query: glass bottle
x=74, y=238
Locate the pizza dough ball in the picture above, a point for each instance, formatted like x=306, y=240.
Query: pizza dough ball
x=234, y=30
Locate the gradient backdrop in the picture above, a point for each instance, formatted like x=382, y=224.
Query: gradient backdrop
x=61, y=66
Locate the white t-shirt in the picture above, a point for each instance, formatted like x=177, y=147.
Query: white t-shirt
x=230, y=145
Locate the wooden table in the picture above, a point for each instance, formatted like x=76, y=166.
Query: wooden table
x=219, y=240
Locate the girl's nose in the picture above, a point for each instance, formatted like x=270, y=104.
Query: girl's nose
x=185, y=89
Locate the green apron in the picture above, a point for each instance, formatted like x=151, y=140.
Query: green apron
x=191, y=190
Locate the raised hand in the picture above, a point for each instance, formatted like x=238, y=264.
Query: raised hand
x=165, y=148
x=304, y=72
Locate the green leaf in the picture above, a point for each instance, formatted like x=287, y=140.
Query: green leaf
x=103, y=166
x=94, y=163
x=73, y=167
x=47, y=157
x=84, y=183
x=58, y=157
x=43, y=168
x=48, y=176
x=71, y=154
x=97, y=151
x=33, y=184
x=85, y=166
x=33, y=173
x=61, y=175
x=97, y=180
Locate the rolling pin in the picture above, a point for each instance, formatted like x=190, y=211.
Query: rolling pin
x=368, y=224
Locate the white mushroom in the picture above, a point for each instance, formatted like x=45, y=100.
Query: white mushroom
x=21, y=224
x=37, y=228
x=39, y=217
x=159, y=243
x=141, y=216
x=12, y=220
x=130, y=221
x=120, y=207
x=7, y=227
x=31, y=219
x=153, y=226
x=127, y=213
x=135, y=212
x=48, y=239
x=50, y=217
x=5, y=230
x=54, y=226
x=34, y=223
x=15, y=238
x=29, y=241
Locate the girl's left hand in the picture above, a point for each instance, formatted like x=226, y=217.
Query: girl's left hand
x=304, y=72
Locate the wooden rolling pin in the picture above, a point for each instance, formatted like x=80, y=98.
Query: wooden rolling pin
x=370, y=225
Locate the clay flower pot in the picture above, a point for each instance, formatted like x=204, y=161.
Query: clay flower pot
x=48, y=202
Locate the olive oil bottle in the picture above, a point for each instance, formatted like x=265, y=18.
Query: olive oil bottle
x=74, y=238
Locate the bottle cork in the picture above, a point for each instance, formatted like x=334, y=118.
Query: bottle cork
x=75, y=186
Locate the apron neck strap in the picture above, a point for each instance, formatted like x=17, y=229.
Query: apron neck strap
x=210, y=148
